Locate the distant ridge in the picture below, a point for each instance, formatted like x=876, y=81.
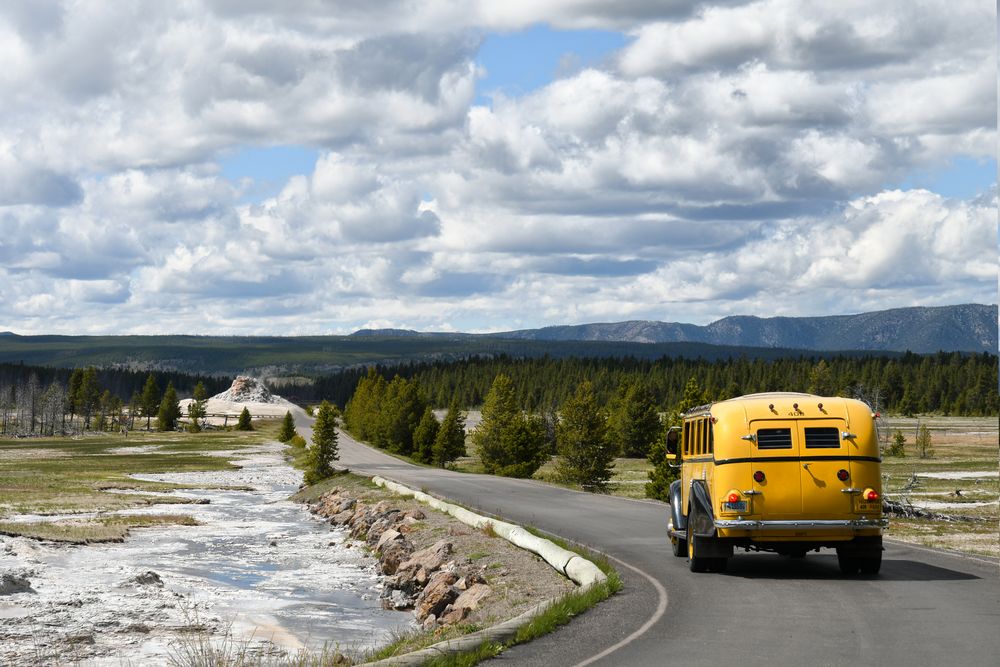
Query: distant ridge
x=962, y=328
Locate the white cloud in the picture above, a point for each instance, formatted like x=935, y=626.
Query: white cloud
x=735, y=157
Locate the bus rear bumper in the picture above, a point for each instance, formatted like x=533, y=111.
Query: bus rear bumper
x=802, y=524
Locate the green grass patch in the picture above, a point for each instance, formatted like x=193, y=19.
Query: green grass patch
x=55, y=475
x=103, y=529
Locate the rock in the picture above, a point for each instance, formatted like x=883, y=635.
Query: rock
x=147, y=578
x=246, y=389
x=394, y=553
x=414, y=514
x=437, y=595
x=430, y=622
x=15, y=581
x=471, y=597
x=341, y=518
x=456, y=531
x=431, y=558
x=396, y=599
x=386, y=537
x=470, y=580
x=273, y=543
x=450, y=616
x=383, y=523
x=345, y=505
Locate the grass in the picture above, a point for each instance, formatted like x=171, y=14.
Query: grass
x=88, y=474
x=102, y=529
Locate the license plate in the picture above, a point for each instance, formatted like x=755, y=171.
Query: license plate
x=867, y=505
x=739, y=506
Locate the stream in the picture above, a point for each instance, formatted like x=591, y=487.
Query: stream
x=260, y=573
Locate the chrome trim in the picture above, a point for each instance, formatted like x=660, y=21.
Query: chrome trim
x=852, y=490
x=818, y=524
x=751, y=437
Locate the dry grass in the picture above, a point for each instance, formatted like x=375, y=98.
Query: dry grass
x=104, y=529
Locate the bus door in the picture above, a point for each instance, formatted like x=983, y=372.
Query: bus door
x=776, y=469
x=824, y=456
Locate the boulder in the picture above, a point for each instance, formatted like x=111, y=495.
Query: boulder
x=429, y=559
x=383, y=523
x=394, y=553
x=414, y=514
x=147, y=578
x=437, y=595
x=471, y=597
x=341, y=518
x=386, y=537
x=15, y=581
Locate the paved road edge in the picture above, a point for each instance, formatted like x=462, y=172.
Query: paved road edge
x=581, y=571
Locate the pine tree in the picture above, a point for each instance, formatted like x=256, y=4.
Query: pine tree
x=323, y=452
x=170, y=410
x=586, y=453
x=73, y=392
x=244, y=423
x=88, y=396
x=923, y=442
x=287, y=431
x=450, y=441
x=150, y=401
x=635, y=421
x=196, y=408
x=424, y=436
x=509, y=442
x=662, y=475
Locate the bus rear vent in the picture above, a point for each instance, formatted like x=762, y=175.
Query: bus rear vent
x=774, y=438
x=822, y=438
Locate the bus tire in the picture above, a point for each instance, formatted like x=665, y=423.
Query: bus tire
x=849, y=565
x=695, y=562
x=871, y=564
x=679, y=546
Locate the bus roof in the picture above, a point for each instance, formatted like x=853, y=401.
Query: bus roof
x=771, y=405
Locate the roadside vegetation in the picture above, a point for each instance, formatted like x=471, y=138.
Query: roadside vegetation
x=90, y=475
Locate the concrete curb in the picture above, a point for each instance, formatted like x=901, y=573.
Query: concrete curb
x=578, y=569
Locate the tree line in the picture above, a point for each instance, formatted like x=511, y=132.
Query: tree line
x=946, y=383
x=396, y=415
x=48, y=401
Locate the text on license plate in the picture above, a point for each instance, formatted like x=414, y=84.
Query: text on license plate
x=867, y=505
x=739, y=506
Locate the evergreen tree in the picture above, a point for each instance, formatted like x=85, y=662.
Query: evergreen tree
x=323, y=452
x=150, y=398
x=634, y=421
x=73, y=392
x=196, y=408
x=662, y=475
x=898, y=446
x=820, y=379
x=450, y=441
x=509, y=442
x=424, y=436
x=586, y=453
x=287, y=431
x=923, y=442
x=88, y=396
x=170, y=410
x=244, y=423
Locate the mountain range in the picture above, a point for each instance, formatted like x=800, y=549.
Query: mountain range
x=964, y=328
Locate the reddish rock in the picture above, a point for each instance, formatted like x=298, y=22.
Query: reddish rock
x=386, y=537
x=431, y=558
x=437, y=595
x=414, y=514
x=394, y=553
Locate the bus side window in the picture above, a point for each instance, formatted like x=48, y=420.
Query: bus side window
x=711, y=436
x=686, y=445
x=701, y=437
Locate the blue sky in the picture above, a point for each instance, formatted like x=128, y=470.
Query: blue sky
x=480, y=166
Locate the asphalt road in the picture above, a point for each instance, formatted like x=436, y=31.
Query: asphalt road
x=925, y=608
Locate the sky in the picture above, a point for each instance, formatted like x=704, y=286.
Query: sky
x=315, y=167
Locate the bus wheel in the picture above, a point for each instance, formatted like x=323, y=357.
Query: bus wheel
x=679, y=546
x=850, y=564
x=695, y=562
x=871, y=564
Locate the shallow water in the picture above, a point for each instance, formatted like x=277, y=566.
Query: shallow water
x=260, y=566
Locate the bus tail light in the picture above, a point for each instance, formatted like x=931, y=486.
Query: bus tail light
x=843, y=475
x=733, y=497
x=759, y=477
x=871, y=494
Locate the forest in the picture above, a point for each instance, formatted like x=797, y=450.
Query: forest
x=49, y=401
x=943, y=383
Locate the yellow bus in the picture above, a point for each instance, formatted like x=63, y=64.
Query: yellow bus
x=782, y=472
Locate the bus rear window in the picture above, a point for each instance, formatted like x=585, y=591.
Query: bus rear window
x=774, y=438
x=822, y=438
